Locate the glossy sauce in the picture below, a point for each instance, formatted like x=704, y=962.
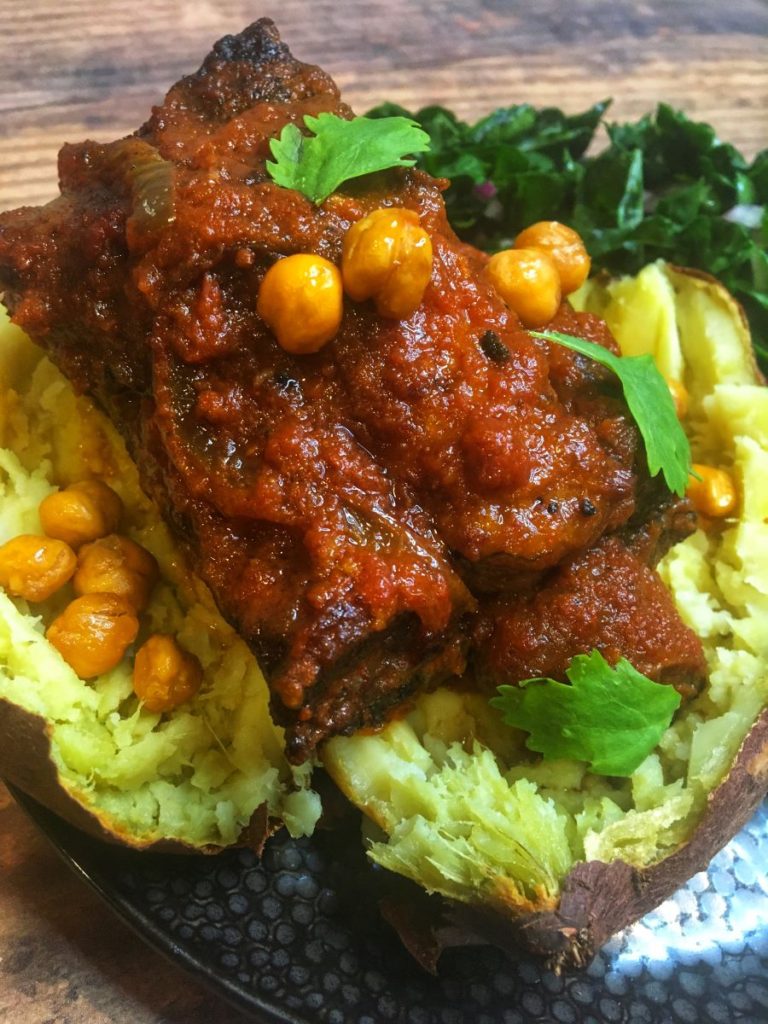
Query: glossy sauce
x=347, y=508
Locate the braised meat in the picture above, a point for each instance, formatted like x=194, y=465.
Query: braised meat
x=604, y=599
x=344, y=506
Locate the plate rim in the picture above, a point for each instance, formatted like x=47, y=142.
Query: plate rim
x=143, y=926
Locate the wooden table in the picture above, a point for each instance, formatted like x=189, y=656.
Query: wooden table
x=74, y=68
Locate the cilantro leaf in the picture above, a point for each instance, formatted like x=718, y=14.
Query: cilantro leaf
x=610, y=717
x=338, y=150
x=650, y=402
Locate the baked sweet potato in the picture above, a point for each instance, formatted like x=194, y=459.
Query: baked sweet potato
x=197, y=778
x=545, y=852
x=521, y=850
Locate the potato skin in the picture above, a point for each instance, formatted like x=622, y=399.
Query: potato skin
x=706, y=282
x=26, y=763
x=597, y=899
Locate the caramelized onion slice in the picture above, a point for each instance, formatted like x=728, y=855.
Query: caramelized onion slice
x=150, y=180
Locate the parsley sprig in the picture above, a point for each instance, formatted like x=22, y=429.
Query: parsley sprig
x=338, y=150
x=612, y=718
x=650, y=402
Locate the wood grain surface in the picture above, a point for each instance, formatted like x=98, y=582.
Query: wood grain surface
x=75, y=68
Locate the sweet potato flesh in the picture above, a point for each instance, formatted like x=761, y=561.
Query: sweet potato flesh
x=441, y=783
x=349, y=508
x=195, y=777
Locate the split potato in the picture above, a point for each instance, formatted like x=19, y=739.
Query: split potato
x=200, y=777
x=514, y=848
x=547, y=853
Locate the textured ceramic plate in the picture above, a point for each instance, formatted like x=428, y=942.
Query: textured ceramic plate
x=297, y=938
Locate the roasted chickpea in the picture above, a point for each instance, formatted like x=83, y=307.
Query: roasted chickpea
x=35, y=567
x=116, y=565
x=714, y=495
x=301, y=299
x=164, y=675
x=81, y=512
x=564, y=246
x=387, y=257
x=93, y=633
x=679, y=397
x=528, y=281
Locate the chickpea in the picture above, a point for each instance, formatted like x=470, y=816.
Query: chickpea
x=528, y=281
x=82, y=512
x=93, y=633
x=387, y=256
x=116, y=565
x=714, y=494
x=164, y=675
x=679, y=397
x=35, y=567
x=301, y=299
x=564, y=246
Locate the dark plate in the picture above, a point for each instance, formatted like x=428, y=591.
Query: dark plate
x=297, y=938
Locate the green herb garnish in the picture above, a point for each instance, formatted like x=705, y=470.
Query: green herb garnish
x=339, y=150
x=612, y=718
x=665, y=187
x=651, y=404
